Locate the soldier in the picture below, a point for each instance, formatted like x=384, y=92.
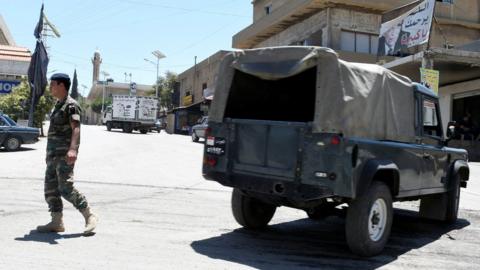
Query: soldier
x=62, y=149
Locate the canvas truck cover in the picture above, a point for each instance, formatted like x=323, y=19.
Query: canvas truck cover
x=357, y=100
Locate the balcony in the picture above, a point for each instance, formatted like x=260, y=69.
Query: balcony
x=296, y=11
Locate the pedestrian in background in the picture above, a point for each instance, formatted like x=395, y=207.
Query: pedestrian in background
x=62, y=150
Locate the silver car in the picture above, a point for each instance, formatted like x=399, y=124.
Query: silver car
x=198, y=131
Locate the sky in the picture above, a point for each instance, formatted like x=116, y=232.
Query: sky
x=128, y=31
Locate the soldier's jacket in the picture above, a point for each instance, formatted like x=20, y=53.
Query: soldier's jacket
x=60, y=130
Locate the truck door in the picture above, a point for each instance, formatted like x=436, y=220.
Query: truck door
x=434, y=156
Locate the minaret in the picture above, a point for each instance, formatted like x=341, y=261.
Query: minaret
x=96, y=61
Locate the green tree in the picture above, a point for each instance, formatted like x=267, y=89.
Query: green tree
x=17, y=104
x=166, y=86
x=96, y=105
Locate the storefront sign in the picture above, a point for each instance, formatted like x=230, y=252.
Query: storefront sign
x=7, y=86
x=430, y=78
x=187, y=100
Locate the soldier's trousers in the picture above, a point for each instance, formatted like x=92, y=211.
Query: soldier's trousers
x=59, y=183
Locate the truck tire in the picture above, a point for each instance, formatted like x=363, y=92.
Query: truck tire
x=12, y=144
x=127, y=128
x=250, y=212
x=453, y=201
x=109, y=126
x=144, y=131
x=369, y=220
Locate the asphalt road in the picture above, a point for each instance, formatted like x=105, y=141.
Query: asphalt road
x=157, y=212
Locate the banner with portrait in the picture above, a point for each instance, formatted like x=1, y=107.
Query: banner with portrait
x=408, y=30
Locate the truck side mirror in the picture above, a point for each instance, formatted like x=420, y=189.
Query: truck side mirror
x=451, y=130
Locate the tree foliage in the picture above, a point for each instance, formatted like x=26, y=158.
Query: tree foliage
x=166, y=86
x=17, y=104
x=96, y=105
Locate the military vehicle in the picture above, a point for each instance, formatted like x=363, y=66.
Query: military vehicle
x=298, y=127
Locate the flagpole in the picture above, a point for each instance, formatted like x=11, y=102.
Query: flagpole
x=32, y=105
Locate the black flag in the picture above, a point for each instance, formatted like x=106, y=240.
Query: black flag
x=37, y=71
x=39, y=27
x=74, y=93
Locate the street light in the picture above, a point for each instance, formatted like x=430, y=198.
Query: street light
x=84, y=89
x=159, y=55
x=105, y=75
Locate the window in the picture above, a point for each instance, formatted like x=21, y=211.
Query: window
x=2, y=122
x=358, y=42
x=430, y=119
x=268, y=9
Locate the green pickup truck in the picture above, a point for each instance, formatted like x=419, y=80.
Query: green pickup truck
x=298, y=127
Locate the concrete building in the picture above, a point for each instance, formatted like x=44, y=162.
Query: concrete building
x=196, y=90
x=351, y=27
x=14, y=60
x=103, y=90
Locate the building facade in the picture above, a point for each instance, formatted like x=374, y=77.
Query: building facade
x=351, y=27
x=14, y=60
x=196, y=90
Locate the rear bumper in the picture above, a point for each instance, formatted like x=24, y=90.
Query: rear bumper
x=293, y=191
x=30, y=139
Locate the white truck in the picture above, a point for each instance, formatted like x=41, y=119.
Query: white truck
x=131, y=113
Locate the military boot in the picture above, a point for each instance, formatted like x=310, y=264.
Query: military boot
x=56, y=225
x=90, y=220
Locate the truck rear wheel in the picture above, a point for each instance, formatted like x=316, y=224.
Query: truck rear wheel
x=250, y=212
x=143, y=131
x=453, y=201
x=127, y=128
x=369, y=220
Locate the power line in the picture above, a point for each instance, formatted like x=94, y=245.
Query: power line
x=185, y=9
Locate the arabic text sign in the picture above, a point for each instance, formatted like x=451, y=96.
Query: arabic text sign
x=415, y=24
x=430, y=78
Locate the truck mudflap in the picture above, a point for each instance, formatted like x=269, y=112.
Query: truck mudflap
x=295, y=191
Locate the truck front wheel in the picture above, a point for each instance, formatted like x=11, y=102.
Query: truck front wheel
x=453, y=201
x=109, y=126
x=369, y=220
x=250, y=212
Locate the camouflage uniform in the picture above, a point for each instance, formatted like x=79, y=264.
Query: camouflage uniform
x=59, y=175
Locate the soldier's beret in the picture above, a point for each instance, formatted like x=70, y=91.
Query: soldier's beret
x=60, y=77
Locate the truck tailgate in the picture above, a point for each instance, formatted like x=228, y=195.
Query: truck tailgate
x=266, y=147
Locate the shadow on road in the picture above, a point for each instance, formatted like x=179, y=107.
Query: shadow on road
x=50, y=238
x=21, y=149
x=131, y=133
x=319, y=244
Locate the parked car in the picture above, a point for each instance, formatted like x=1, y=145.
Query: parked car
x=159, y=125
x=198, y=131
x=13, y=136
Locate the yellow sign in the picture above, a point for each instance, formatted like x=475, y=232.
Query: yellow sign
x=187, y=100
x=430, y=78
